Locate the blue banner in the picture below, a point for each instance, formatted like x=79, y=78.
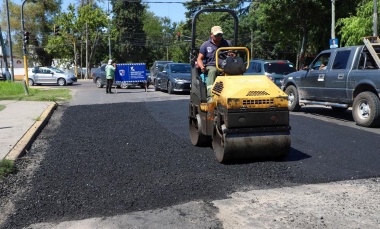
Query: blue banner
x=128, y=73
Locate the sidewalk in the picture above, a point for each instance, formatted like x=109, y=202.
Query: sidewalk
x=20, y=124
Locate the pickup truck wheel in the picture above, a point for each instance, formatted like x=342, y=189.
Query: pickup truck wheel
x=293, y=100
x=366, y=110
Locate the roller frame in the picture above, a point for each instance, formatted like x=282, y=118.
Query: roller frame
x=220, y=127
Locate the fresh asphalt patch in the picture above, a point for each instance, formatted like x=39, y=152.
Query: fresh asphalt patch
x=112, y=159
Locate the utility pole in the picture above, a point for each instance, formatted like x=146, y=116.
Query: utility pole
x=4, y=52
x=333, y=19
x=375, y=18
x=86, y=77
x=10, y=41
x=251, y=44
x=109, y=32
x=75, y=58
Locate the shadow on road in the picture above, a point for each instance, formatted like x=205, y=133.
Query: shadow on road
x=327, y=112
x=296, y=155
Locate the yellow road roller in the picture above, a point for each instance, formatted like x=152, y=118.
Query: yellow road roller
x=246, y=117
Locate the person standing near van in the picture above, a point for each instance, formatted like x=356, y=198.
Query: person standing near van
x=110, y=75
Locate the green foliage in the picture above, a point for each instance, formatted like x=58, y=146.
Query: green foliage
x=159, y=37
x=130, y=38
x=278, y=31
x=272, y=29
x=73, y=25
x=6, y=167
x=15, y=91
x=286, y=29
x=354, y=28
x=38, y=19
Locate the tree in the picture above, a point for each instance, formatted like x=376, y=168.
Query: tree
x=162, y=42
x=38, y=18
x=354, y=28
x=154, y=32
x=290, y=29
x=73, y=24
x=130, y=38
x=296, y=26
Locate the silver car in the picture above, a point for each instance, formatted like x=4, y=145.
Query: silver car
x=49, y=75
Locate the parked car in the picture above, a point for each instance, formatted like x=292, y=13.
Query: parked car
x=148, y=79
x=174, y=77
x=99, y=78
x=49, y=75
x=4, y=74
x=274, y=69
x=156, y=68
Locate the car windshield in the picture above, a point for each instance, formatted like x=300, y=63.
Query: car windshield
x=56, y=70
x=279, y=68
x=160, y=65
x=180, y=68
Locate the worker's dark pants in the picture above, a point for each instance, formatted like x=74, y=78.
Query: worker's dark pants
x=109, y=85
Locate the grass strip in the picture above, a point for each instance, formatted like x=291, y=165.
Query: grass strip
x=15, y=91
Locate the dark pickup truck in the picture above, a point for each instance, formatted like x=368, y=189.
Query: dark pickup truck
x=339, y=78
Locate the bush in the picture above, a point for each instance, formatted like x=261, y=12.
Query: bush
x=6, y=167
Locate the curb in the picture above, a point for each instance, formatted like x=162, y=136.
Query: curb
x=26, y=141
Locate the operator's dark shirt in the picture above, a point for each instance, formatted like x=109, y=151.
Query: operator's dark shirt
x=208, y=49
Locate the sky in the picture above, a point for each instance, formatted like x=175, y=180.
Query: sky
x=172, y=9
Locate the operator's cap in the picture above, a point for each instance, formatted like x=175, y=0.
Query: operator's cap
x=109, y=61
x=216, y=29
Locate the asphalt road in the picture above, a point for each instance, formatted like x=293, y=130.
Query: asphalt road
x=130, y=154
